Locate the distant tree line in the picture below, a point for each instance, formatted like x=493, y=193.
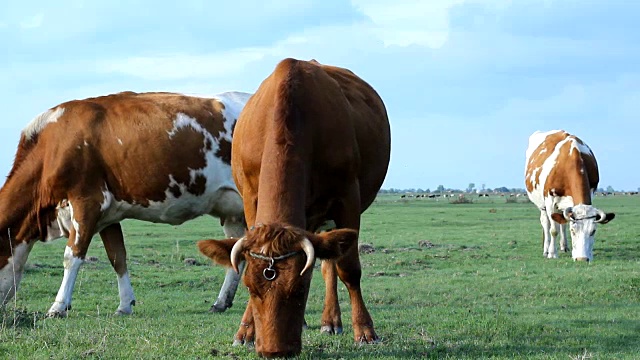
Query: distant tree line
x=472, y=189
x=441, y=190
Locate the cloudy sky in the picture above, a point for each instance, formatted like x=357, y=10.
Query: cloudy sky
x=465, y=82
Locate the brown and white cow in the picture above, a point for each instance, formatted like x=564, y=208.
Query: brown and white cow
x=312, y=145
x=561, y=174
x=85, y=165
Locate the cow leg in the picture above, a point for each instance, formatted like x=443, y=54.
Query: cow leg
x=246, y=332
x=331, y=316
x=84, y=218
x=350, y=272
x=553, y=234
x=563, y=238
x=113, y=241
x=546, y=233
x=11, y=273
x=233, y=226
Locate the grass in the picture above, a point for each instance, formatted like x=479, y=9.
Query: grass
x=463, y=281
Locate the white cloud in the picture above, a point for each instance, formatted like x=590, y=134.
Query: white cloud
x=223, y=64
x=182, y=66
x=32, y=22
x=416, y=22
x=409, y=22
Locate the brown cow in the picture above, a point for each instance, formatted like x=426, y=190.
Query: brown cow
x=561, y=174
x=156, y=157
x=312, y=145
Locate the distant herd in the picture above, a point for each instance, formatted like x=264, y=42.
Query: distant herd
x=288, y=171
x=472, y=194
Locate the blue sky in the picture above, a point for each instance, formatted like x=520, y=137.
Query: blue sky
x=465, y=82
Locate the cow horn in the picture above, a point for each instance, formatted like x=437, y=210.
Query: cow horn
x=236, y=252
x=307, y=246
x=568, y=213
x=601, y=216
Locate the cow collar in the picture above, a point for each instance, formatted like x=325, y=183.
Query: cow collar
x=269, y=272
x=584, y=218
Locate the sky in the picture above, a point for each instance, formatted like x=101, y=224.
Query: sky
x=465, y=82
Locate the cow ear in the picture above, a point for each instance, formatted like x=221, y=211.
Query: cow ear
x=218, y=250
x=559, y=218
x=608, y=217
x=333, y=244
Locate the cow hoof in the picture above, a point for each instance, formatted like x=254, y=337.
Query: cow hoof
x=248, y=344
x=218, y=308
x=366, y=336
x=365, y=340
x=56, y=314
x=331, y=330
x=122, y=312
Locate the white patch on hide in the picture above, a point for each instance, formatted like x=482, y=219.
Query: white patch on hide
x=219, y=181
x=41, y=121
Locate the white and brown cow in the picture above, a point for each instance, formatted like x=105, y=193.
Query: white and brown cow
x=561, y=174
x=83, y=166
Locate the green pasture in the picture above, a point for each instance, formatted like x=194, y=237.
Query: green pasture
x=457, y=281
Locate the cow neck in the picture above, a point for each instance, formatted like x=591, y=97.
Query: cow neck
x=579, y=187
x=18, y=206
x=283, y=180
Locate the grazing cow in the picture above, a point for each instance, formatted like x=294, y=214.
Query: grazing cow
x=561, y=173
x=85, y=165
x=313, y=144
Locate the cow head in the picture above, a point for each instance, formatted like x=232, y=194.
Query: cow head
x=582, y=224
x=278, y=272
x=61, y=224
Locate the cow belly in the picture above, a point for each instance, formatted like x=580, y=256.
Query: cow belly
x=537, y=198
x=172, y=210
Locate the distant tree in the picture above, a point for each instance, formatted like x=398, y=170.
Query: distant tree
x=420, y=191
x=610, y=189
x=482, y=187
x=502, y=189
x=471, y=187
x=601, y=190
x=440, y=189
x=427, y=191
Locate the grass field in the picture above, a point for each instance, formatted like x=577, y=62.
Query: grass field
x=459, y=281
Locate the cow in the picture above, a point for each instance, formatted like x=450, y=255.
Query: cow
x=561, y=174
x=311, y=145
x=83, y=166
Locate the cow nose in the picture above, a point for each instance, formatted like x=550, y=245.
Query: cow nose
x=582, y=259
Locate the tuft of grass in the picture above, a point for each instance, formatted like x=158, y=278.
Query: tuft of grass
x=461, y=200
